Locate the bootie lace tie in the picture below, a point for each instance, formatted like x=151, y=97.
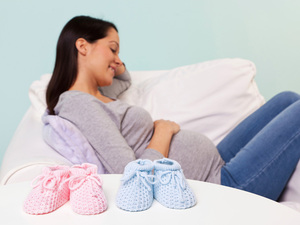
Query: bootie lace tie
x=77, y=181
x=176, y=179
x=142, y=177
x=48, y=181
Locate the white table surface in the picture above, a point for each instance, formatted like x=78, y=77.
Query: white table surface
x=216, y=204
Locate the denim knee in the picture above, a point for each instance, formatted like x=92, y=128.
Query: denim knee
x=288, y=96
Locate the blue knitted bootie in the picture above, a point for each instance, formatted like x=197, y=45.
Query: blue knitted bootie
x=171, y=189
x=136, y=190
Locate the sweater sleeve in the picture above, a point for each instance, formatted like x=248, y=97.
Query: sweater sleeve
x=120, y=84
x=102, y=133
x=151, y=154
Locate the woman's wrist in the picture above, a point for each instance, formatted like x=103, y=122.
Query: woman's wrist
x=161, y=140
x=163, y=130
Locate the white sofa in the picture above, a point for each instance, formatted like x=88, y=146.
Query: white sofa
x=210, y=97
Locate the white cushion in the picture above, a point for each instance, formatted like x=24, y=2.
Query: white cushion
x=210, y=97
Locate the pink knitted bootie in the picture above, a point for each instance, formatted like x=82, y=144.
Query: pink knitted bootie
x=87, y=196
x=50, y=191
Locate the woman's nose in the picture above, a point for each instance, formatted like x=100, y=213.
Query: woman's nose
x=118, y=60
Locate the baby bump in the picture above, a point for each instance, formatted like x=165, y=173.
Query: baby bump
x=197, y=155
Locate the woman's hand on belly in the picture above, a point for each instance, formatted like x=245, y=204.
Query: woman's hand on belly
x=162, y=136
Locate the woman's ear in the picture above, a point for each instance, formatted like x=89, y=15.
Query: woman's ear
x=81, y=45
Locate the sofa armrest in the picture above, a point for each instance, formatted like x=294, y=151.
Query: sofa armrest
x=27, y=153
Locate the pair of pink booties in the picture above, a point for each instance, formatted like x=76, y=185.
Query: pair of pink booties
x=58, y=184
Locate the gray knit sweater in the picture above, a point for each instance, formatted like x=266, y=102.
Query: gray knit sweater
x=120, y=133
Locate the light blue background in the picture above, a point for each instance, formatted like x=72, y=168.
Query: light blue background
x=156, y=34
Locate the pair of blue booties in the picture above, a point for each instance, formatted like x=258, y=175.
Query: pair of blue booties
x=162, y=180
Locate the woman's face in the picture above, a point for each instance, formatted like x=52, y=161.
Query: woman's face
x=103, y=58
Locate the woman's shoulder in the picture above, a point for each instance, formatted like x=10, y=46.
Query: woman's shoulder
x=71, y=100
x=74, y=94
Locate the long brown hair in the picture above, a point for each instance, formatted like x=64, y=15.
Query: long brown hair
x=65, y=69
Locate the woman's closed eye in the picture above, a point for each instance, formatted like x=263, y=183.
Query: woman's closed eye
x=113, y=50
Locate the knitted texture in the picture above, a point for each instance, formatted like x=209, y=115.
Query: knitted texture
x=50, y=191
x=87, y=196
x=136, y=190
x=171, y=189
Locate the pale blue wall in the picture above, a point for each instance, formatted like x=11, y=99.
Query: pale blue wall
x=156, y=34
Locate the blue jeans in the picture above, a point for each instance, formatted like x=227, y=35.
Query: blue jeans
x=262, y=152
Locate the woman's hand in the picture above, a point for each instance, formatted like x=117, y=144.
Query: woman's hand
x=167, y=126
x=120, y=69
x=162, y=136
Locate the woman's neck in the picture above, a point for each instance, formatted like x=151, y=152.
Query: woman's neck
x=89, y=90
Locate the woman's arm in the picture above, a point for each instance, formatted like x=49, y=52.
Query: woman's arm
x=163, y=133
x=100, y=130
x=121, y=83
